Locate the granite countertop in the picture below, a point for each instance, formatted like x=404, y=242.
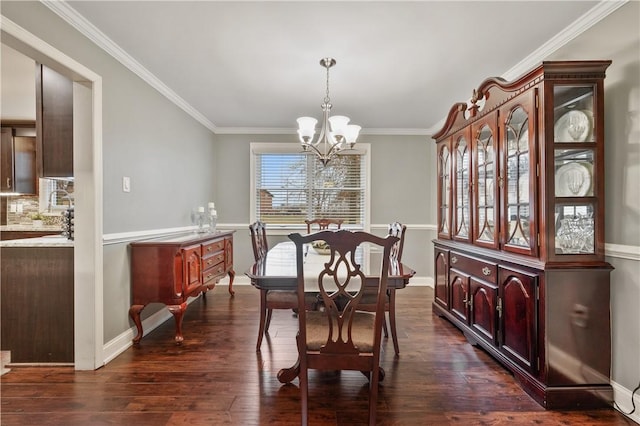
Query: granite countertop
x=30, y=227
x=48, y=241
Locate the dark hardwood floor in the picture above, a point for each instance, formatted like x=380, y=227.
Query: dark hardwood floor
x=215, y=377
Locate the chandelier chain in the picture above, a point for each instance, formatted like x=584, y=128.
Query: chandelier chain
x=327, y=100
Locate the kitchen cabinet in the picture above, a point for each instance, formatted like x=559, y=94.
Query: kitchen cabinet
x=18, y=159
x=37, y=303
x=519, y=254
x=54, y=121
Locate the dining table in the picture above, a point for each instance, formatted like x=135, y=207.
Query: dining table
x=277, y=270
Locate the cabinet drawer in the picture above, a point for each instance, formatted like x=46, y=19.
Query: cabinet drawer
x=476, y=267
x=210, y=261
x=212, y=247
x=212, y=273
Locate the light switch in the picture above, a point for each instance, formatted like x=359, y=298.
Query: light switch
x=126, y=184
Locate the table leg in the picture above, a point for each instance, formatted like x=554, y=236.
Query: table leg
x=134, y=314
x=178, y=312
x=392, y=319
x=232, y=275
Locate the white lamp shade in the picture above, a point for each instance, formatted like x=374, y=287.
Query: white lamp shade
x=351, y=133
x=338, y=124
x=306, y=127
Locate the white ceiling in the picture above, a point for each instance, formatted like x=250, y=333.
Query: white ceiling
x=245, y=66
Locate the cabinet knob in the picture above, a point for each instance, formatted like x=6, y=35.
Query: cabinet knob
x=8, y=182
x=486, y=271
x=454, y=259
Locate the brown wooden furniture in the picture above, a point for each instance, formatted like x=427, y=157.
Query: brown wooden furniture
x=54, y=121
x=398, y=230
x=278, y=271
x=18, y=158
x=171, y=269
x=269, y=299
x=323, y=224
x=340, y=336
x=37, y=304
x=519, y=258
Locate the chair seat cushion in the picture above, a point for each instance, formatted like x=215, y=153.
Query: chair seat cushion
x=361, y=332
x=283, y=296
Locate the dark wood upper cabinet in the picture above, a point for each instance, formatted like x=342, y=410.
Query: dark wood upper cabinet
x=54, y=121
x=18, y=158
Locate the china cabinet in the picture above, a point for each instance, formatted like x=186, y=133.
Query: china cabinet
x=519, y=255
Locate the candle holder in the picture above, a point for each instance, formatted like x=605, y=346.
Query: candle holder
x=212, y=217
x=198, y=219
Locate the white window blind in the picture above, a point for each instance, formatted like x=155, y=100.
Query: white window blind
x=292, y=186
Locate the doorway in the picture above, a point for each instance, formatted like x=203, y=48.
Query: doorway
x=87, y=146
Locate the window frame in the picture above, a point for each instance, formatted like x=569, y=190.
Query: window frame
x=259, y=148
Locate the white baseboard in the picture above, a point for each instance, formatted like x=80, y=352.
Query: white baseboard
x=124, y=341
x=622, y=397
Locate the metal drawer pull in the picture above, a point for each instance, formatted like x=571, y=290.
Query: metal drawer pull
x=454, y=259
x=486, y=271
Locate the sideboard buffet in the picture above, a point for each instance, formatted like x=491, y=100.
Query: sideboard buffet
x=519, y=254
x=172, y=269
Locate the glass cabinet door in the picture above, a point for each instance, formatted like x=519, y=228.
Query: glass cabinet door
x=575, y=156
x=518, y=175
x=444, y=188
x=461, y=198
x=485, y=185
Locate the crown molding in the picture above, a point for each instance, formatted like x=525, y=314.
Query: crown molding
x=80, y=23
x=73, y=18
x=292, y=131
x=580, y=25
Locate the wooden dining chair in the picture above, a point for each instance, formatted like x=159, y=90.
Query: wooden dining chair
x=341, y=336
x=269, y=299
x=321, y=224
x=398, y=230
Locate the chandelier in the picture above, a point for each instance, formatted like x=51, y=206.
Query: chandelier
x=336, y=134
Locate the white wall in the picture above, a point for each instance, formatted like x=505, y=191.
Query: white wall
x=18, y=85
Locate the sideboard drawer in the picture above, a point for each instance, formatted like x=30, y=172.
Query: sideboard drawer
x=212, y=247
x=213, y=274
x=479, y=268
x=210, y=261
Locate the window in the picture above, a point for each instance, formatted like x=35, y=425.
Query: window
x=55, y=194
x=289, y=186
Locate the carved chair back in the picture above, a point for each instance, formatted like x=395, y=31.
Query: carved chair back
x=323, y=223
x=258, y=239
x=340, y=336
